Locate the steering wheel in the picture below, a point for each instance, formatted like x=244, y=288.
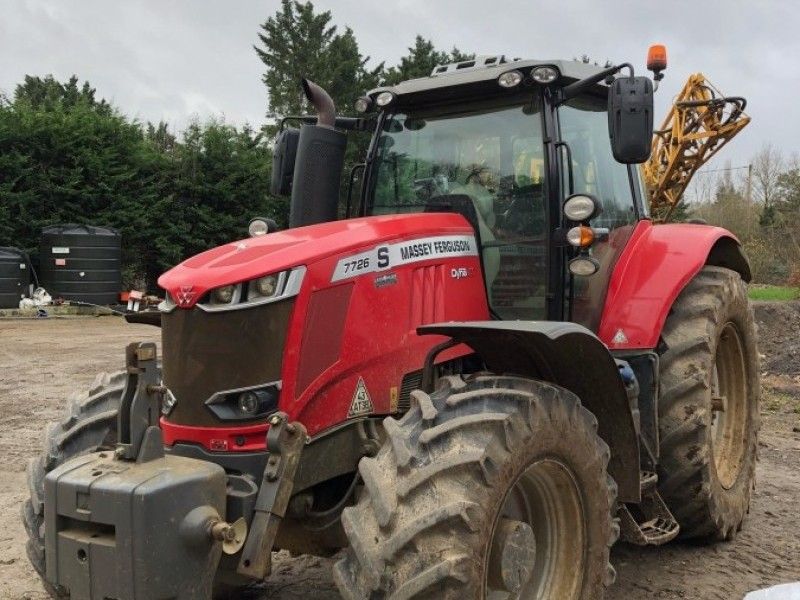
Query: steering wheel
x=520, y=216
x=476, y=172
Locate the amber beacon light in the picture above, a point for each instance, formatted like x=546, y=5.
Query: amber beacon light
x=657, y=58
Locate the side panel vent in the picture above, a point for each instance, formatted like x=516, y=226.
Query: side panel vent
x=427, y=296
x=411, y=381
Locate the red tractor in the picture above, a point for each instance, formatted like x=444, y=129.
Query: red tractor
x=473, y=387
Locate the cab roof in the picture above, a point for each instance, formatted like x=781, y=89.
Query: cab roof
x=477, y=73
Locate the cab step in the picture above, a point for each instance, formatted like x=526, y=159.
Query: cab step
x=649, y=523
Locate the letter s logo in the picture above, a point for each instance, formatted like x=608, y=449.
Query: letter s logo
x=383, y=257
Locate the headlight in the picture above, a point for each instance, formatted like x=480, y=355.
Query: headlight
x=256, y=402
x=223, y=295
x=249, y=403
x=261, y=290
x=264, y=287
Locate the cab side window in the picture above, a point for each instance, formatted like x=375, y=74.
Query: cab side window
x=584, y=126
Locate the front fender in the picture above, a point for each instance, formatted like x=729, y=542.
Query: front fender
x=658, y=262
x=569, y=355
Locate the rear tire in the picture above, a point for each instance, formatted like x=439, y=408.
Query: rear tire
x=490, y=483
x=708, y=405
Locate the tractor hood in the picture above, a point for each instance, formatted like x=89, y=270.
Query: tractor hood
x=250, y=258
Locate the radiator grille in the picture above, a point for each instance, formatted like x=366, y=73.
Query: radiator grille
x=411, y=381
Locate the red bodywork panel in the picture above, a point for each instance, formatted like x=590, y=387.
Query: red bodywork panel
x=655, y=266
x=363, y=328
x=344, y=329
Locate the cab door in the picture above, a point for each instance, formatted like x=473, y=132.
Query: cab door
x=583, y=125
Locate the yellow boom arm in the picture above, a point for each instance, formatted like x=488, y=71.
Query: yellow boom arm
x=700, y=122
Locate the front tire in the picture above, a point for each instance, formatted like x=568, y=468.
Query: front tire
x=708, y=406
x=494, y=487
x=89, y=425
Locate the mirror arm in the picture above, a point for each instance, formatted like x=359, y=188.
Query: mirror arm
x=570, y=177
x=353, y=171
x=347, y=123
x=573, y=89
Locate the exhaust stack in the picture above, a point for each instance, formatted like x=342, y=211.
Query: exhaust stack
x=321, y=101
x=318, y=167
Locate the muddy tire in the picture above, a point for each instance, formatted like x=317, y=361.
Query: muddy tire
x=90, y=424
x=490, y=484
x=708, y=406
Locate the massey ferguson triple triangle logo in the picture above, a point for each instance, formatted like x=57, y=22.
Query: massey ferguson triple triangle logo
x=185, y=295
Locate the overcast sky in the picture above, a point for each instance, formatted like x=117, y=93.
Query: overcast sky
x=174, y=59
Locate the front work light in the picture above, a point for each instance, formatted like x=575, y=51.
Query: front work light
x=581, y=208
x=384, y=99
x=363, y=104
x=510, y=79
x=583, y=266
x=544, y=74
x=257, y=227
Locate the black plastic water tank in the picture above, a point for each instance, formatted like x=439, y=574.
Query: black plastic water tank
x=15, y=276
x=81, y=263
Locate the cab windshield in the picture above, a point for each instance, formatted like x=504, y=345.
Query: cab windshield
x=487, y=160
x=491, y=154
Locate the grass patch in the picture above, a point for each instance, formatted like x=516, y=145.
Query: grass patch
x=773, y=292
x=773, y=401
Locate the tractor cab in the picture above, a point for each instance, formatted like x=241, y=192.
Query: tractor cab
x=505, y=144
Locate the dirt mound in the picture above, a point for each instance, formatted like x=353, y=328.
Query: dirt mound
x=779, y=336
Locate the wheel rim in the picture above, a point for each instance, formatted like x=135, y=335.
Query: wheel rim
x=729, y=406
x=537, y=548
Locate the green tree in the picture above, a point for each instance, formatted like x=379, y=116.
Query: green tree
x=45, y=93
x=66, y=156
x=299, y=42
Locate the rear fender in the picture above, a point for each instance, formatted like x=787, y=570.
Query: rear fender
x=568, y=355
x=658, y=262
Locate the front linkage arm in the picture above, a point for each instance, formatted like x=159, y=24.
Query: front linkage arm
x=285, y=442
x=141, y=405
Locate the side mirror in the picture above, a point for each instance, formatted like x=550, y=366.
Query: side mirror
x=283, y=159
x=630, y=118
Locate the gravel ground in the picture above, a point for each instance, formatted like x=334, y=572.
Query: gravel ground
x=42, y=361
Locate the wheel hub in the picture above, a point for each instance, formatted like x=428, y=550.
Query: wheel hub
x=513, y=555
x=729, y=406
x=538, y=544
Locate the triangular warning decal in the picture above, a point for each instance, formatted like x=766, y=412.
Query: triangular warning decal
x=619, y=337
x=361, y=404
